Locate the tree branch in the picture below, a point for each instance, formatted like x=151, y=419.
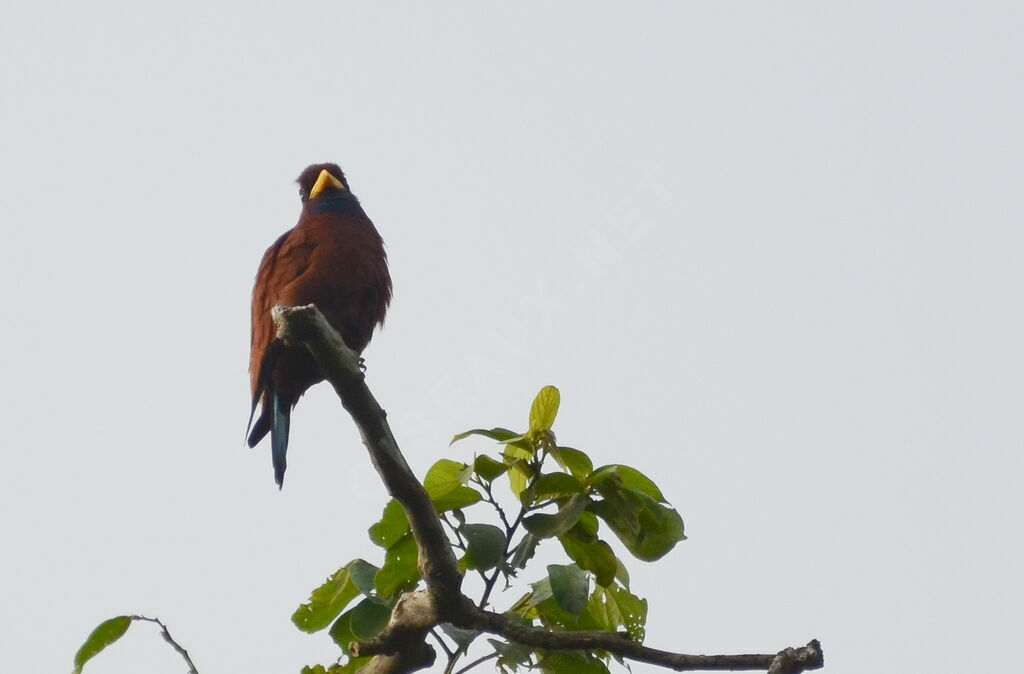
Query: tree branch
x=401, y=647
x=166, y=634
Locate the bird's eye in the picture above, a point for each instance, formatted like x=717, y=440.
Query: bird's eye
x=302, y=193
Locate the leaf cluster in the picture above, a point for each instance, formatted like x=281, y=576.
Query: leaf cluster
x=558, y=495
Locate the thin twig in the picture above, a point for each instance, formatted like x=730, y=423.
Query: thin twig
x=490, y=499
x=444, y=646
x=510, y=532
x=169, y=639
x=477, y=662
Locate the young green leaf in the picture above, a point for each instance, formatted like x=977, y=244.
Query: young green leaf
x=458, y=498
x=327, y=601
x=106, y=633
x=444, y=483
x=443, y=477
x=570, y=586
x=499, y=434
x=544, y=410
x=519, y=472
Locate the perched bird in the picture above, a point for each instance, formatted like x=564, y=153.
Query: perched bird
x=333, y=258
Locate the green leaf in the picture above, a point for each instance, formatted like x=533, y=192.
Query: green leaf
x=615, y=607
x=499, y=434
x=513, y=654
x=621, y=573
x=341, y=633
x=487, y=468
x=570, y=586
x=556, y=485
x=106, y=633
x=368, y=619
x=596, y=557
x=587, y=528
x=519, y=471
x=363, y=574
x=393, y=525
x=443, y=477
x=327, y=601
x=539, y=593
x=335, y=668
x=401, y=568
x=630, y=477
x=544, y=410
x=552, y=615
x=647, y=528
x=485, y=545
x=574, y=461
x=444, y=483
x=462, y=637
x=459, y=498
x=544, y=525
x=524, y=551
x=523, y=443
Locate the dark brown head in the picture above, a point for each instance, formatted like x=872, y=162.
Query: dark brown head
x=321, y=179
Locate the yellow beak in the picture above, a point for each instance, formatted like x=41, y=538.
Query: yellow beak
x=323, y=181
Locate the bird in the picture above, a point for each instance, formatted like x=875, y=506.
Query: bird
x=333, y=258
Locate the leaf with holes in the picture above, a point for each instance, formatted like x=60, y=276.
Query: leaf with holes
x=327, y=601
x=393, y=525
x=615, y=607
x=401, y=568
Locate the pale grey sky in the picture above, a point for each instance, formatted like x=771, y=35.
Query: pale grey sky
x=770, y=254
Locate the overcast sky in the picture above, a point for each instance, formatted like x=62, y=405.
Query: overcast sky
x=771, y=255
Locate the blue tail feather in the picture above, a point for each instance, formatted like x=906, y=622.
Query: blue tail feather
x=279, y=436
